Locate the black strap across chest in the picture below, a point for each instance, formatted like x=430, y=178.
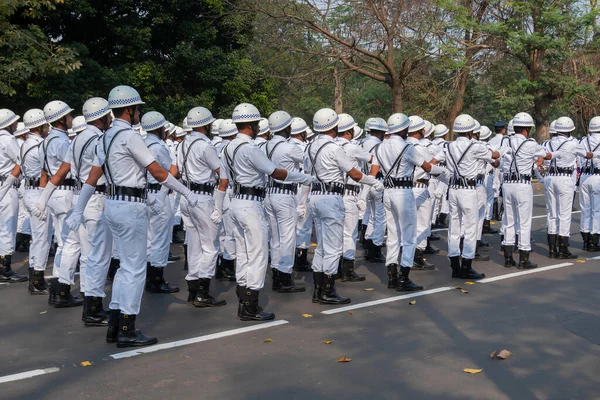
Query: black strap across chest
x=107, y=152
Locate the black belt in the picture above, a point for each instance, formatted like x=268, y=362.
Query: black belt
x=354, y=189
x=463, y=183
x=101, y=189
x=591, y=171
x=31, y=182
x=68, y=182
x=398, y=183
x=154, y=186
x=514, y=178
x=201, y=187
x=332, y=187
x=292, y=187
x=560, y=171
x=423, y=181
x=480, y=178
x=126, y=191
x=249, y=191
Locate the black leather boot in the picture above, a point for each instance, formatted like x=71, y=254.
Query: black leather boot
x=552, y=247
x=405, y=284
x=128, y=336
x=93, y=312
x=227, y=270
x=478, y=256
x=481, y=243
x=392, y=271
x=23, y=242
x=368, y=246
x=467, y=271
x=275, y=279
x=176, y=239
x=251, y=311
x=239, y=291
x=585, y=236
x=37, y=283
x=487, y=228
x=185, y=257
x=441, y=221
x=563, y=249
x=455, y=266
x=524, y=262
x=284, y=283
x=7, y=274
x=430, y=249
x=516, y=243
x=192, y=290
x=495, y=212
x=156, y=282
x=301, y=263
x=374, y=254
x=363, y=232
x=204, y=298
x=112, y=269
x=434, y=236
x=65, y=298
x=419, y=263
x=328, y=293
x=113, y=326
x=509, y=261
x=347, y=273
x=593, y=245
x=318, y=285
x=53, y=296
x=173, y=257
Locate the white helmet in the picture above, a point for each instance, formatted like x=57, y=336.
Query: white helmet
x=123, y=96
x=325, y=119
x=440, y=130
x=179, y=132
x=510, y=129
x=279, y=120
x=464, y=123
x=298, y=126
x=416, y=123
x=309, y=133
x=357, y=132
x=552, y=128
x=21, y=130
x=263, y=127
x=185, y=125
x=55, y=110
x=484, y=133
x=523, y=119
x=564, y=125
x=477, y=128
x=368, y=124
x=396, y=123
x=153, y=120
x=79, y=124
x=594, y=125
x=245, y=112
x=172, y=129
x=379, y=124
x=346, y=122
x=34, y=118
x=428, y=129
x=214, y=128
x=216, y=140
x=227, y=128
x=7, y=118
x=95, y=108
x=199, y=116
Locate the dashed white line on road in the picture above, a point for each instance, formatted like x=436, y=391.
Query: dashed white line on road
x=28, y=374
x=545, y=216
x=525, y=272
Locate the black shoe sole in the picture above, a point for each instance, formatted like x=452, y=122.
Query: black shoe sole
x=163, y=291
x=40, y=293
x=334, y=303
x=361, y=279
x=103, y=324
x=68, y=305
x=243, y=318
x=295, y=290
x=206, y=305
x=133, y=344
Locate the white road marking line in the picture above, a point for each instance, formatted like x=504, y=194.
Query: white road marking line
x=386, y=300
x=526, y=272
x=28, y=374
x=179, y=343
x=594, y=258
x=544, y=216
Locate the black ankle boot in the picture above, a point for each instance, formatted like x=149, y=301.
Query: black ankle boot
x=251, y=311
x=318, y=286
x=552, y=247
x=404, y=283
x=173, y=257
x=441, y=221
x=467, y=271
x=37, y=283
x=392, y=271
x=516, y=243
x=185, y=257
x=239, y=291
x=585, y=236
x=113, y=326
x=419, y=263
x=115, y=264
x=524, y=262
x=7, y=274
x=434, y=236
x=156, y=283
x=227, y=270
x=593, y=245
x=128, y=336
x=508, y=257
x=478, y=256
x=65, y=298
x=563, y=249
x=301, y=263
x=284, y=283
x=53, y=296
x=328, y=293
x=487, y=228
x=93, y=312
x=204, y=298
x=192, y=290
x=347, y=273
x=455, y=265
x=430, y=249
x=375, y=254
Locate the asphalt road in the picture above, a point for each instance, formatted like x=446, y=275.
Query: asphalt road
x=548, y=319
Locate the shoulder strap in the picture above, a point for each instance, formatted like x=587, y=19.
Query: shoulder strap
x=396, y=163
x=185, y=155
x=80, y=158
x=231, y=158
x=270, y=153
x=516, y=152
x=37, y=146
x=460, y=160
x=314, y=159
x=46, y=165
x=106, y=153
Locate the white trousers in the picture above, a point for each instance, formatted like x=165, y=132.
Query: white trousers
x=226, y=239
x=251, y=233
x=23, y=222
x=41, y=232
x=351, y=217
x=282, y=217
x=423, y=202
x=589, y=201
x=518, y=208
x=304, y=228
x=464, y=208
x=481, y=204
x=488, y=183
x=159, y=231
x=376, y=227
x=559, y=203
x=128, y=222
x=98, y=260
x=328, y=213
x=401, y=216
x=9, y=214
x=60, y=206
x=202, y=238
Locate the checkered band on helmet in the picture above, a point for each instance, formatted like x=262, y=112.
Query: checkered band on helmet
x=7, y=118
x=227, y=128
x=123, y=96
x=201, y=122
x=95, y=108
x=346, y=122
x=395, y=123
x=284, y=124
x=464, y=123
x=564, y=125
x=440, y=130
x=152, y=121
x=416, y=123
x=298, y=126
x=594, y=125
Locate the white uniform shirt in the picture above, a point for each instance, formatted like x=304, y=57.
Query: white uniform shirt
x=302, y=145
x=332, y=163
x=250, y=164
x=389, y=151
x=128, y=156
x=471, y=164
x=54, y=150
x=357, y=156
x=202, y=159
x=160, y=152
x=81, y=159
x=31, y=166
x=423, y=151
x=284, y=154
x=260, y=142
x=590, y=143
x=369, y=144
x=526, y=157
x=568, y=149
x=9, y=152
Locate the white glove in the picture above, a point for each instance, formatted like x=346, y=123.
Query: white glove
x=301, y=210
x=377, y=186
x=361, y=204
x=6, y=185
x=299, y=177
x=155, y=205
x=216, y=217
x=39, y=214
x=74, y=220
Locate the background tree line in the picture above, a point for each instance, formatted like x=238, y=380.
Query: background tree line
x=435, y=58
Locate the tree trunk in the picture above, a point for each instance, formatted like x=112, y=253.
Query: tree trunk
x=457, y=107
x=397, y=96
x=338, y=101
x=541, y=106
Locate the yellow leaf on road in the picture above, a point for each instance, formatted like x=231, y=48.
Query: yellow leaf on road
x=469, y=283
x=307, y=315
x=344, y=359
x=269, y=340
x=412, y=303
x=581, y=261
x=43, y=312
x=85, y=363
x=369, y=289
x=328, y=341
x=472, y=370
x=464, y=291
x=351, y=312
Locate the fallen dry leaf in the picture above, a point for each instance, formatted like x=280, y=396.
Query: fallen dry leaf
x=580, y=261
x=503, y=355
x=469, y=283
x=43, y=312
x=369, y=289
x=493, y=354
x=464, y=291
x=351, y=312
x=472, y=370
x=458, y=287
x=328, y=341
x=307, y=315
x=412, y=303
x=85, y=363
x=344, y=359
x=269, y=340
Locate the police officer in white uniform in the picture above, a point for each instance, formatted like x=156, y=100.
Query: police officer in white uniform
x=246, y=166
x=9, y=197
x=23, y=223
x=490, y=176
x=589, y=192
x=496, y=143
x=126, y=159
x=280, y=203
x=353, y=203
x=198, y=162
x=440, y=200
x=328, y=163
x=481, y=166
x=263, y=133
